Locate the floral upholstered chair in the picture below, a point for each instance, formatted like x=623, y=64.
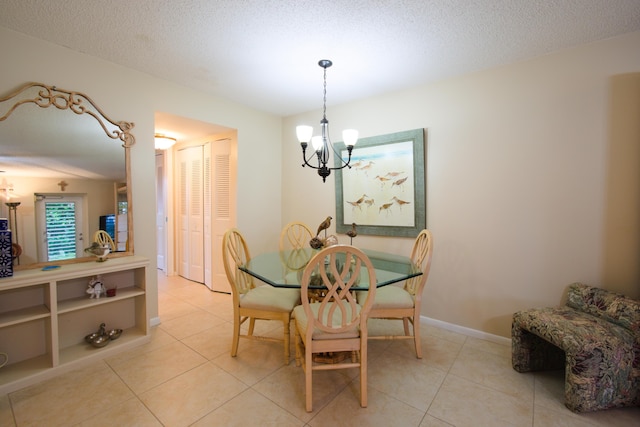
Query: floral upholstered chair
x=595, y=336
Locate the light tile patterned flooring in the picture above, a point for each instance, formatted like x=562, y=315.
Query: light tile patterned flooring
x=185, y=377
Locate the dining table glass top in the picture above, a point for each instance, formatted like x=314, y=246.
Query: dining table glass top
x=283, y=269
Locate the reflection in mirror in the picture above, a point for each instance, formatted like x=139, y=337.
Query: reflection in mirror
x=63, y=175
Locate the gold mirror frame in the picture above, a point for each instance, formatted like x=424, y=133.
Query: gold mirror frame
x=79, y=103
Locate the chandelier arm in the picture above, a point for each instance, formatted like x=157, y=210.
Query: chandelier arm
x=304, y=157
x=344, y=164
x=339, y=156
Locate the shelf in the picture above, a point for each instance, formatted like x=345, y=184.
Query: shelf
x=83, y=350
x=23, y=315
x=24, y=369
x=33, y=277
x=45, y=315
x=84, y=302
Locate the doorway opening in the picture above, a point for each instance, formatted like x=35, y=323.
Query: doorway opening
x=60, y=223
x=196, y=194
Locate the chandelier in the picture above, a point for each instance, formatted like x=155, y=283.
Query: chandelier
x=322, y=144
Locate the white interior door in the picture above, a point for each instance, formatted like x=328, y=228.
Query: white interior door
x=207, y=184
x=191, y=221
x=161, y=217
x=218, y=197
x=60, y=226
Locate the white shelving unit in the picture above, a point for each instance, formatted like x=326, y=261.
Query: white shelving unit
x=45, y=315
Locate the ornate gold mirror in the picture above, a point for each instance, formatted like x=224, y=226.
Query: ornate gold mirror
x=63, y=171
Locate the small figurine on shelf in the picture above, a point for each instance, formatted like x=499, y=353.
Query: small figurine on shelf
x=96, y=288
x=100, y=252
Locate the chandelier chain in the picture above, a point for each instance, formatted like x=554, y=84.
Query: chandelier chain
x=324, y=103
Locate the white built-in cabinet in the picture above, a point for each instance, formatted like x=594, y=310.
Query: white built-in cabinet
x=45, y=315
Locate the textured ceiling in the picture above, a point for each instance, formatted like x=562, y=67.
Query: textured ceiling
x=264, y=53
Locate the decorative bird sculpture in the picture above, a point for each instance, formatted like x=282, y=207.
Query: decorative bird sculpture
x=100, y=252
x=352, y=233
x=324, y=225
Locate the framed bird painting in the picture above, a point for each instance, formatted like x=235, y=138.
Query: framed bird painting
x=384, y=190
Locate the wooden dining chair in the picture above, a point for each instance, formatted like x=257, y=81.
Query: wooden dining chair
x=294, y=253
x=251, y=302
x=337, y=323
x=103, y=239
x=295, y=235
x=404, y=302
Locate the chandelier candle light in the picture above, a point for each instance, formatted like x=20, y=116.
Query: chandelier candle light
x=322, y=144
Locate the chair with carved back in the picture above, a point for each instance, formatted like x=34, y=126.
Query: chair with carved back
x=294, y=249
x=404, y=302
x=295, y=235
x=103, y=239
x=337, y=323
x=254, y=302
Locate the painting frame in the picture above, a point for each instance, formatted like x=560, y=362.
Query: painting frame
x=392, y=168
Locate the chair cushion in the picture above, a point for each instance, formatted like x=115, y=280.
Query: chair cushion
x=388, y=297
x=269, y=298
x=608, y=305
x=576, y=332
x=300, y=317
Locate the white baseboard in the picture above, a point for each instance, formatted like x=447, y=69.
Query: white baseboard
x=155, y=321
x=466, y=331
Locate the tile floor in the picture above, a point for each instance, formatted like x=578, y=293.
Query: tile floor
x=185, y=377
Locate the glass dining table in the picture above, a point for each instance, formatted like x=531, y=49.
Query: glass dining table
x=283, y=269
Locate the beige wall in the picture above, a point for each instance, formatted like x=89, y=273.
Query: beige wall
x=525, y=188
x=532, y=179
x=127, y=95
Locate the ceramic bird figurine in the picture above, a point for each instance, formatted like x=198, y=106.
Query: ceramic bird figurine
x=324, y=225
x=101, y=252
x=352, y=233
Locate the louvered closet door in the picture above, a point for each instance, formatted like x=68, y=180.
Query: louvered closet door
x=191, y=215
x=217, y=211
x=161, y=218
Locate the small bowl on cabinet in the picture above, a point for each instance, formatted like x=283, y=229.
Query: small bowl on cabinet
x=114, y=334
x=101, y=341
x=89, y=338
